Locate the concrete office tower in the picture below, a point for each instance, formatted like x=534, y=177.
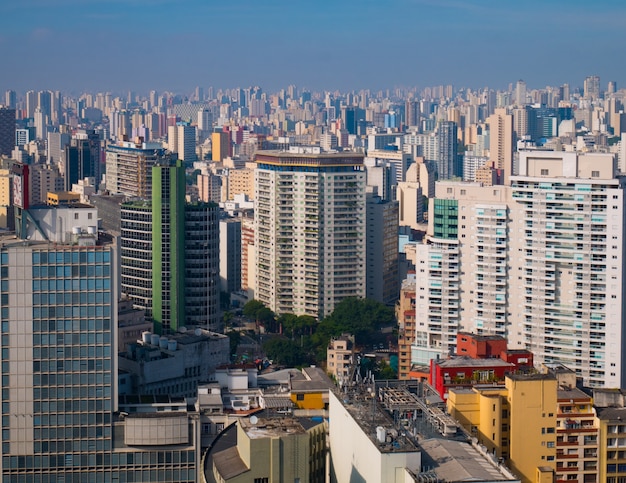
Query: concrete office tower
x=591, y=88
x=420, y=182
x=309, y=230
x=172, y=139
x=82, y=158
x=412, y=113
x=447, y=163
x=382, y=278
x=520, y=93
x=501, y=142
x=44, y=179
x=170, y=255
x=186, y=142
x=230, y=255
x=398, y=161
x=31, y=103
x=129, y=167
x=10, y=99
x=7, y=130
x=57, y=141
x=205, y=124
x=44, y=103
x=59, y=414
x=41, y=124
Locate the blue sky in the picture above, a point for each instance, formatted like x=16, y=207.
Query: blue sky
x=121, y=45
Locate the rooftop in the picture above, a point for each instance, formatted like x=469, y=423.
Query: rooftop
x=469, y=362
x=271, y=428
x=457, y=461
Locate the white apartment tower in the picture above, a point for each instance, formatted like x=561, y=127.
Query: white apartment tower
x=539, y=262
x=310, y=227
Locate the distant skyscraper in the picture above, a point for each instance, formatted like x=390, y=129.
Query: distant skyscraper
x=10, y=99
x=412, y=113
x=520, y=93
x=448, y=165
x=170, y=255
x=31, y=103
x=82, y=158
x=592, y=87
x=220, y=146
x=7, y=130
x=186, y=142
x=309, y=230
x=501, y=141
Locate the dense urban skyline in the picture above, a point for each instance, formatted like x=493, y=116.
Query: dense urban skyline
x=138, y=45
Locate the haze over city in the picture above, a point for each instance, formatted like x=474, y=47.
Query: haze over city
x=118, y=45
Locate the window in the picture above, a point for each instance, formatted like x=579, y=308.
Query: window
x=595, y=174
x=300, y=397
x=545, y=172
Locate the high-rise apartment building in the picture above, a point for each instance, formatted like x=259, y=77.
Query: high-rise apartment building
x=540, y=262
x=501, y=141
x=170, y=255
x=129, y=167
x=309, y=230
x=7, y=130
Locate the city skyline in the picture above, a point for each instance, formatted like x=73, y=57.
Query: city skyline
x=350, y=45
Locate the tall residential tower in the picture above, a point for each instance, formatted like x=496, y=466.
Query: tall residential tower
x=310, y=225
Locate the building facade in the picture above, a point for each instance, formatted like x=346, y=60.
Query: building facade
x=310, y=227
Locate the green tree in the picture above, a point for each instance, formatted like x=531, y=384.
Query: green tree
x=252, y=307
x=362, y=317
x=285, y=351
x=235, y=339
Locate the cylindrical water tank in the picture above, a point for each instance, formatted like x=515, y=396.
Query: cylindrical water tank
x=145, y=336
x=171, y=345
x=163, y=342
x=154, y=339
x=198, y=331
x=381, y=434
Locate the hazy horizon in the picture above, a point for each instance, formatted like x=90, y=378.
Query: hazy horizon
x=139, y=45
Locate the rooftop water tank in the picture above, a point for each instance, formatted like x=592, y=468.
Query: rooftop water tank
x=154, y=339
x=145, y=336
x=163, y=342
x=171, y=345
x=381, y=434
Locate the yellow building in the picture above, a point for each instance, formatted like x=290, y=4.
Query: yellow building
x=273, y=451
x=516, y=422
x=311, y=390
x=612, y=444
x=63, y=198
x=241, y=181
x=220, y=146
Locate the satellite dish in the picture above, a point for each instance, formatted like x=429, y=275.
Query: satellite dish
x=254, y=420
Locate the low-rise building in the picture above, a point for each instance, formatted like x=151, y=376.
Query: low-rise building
x=175, y=364
x=339, y=357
